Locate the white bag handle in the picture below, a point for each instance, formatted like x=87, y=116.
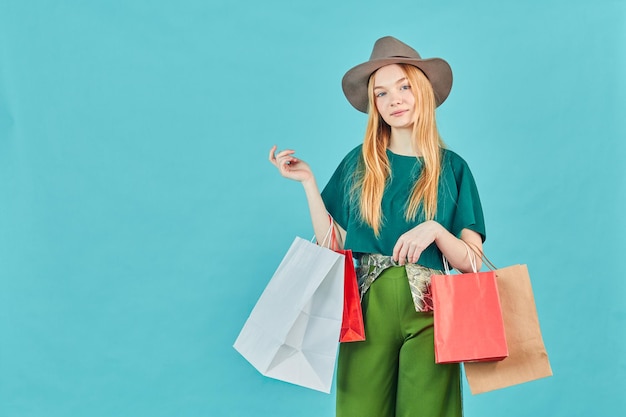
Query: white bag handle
x=328, y=234
x=470, y=254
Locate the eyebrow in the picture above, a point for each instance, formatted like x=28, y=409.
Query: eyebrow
x=401, y=80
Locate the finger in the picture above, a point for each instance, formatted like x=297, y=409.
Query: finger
x=400, y=243
x=287, y=162
x=283, y=159
x=285, y=153
x=272, y=156
x=272, y=152
x=415, y=252
x=415, y=256
x=402, y=254
x=396, y=251
x=410, y=254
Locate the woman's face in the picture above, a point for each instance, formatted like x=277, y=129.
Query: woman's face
x=393, y=97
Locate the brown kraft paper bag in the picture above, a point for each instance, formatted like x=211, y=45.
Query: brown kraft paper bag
x=528, y=359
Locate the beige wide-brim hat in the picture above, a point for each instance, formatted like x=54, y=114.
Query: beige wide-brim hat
x=389, y=50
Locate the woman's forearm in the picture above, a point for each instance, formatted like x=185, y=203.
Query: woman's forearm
x=456, y=251
x=319, y=214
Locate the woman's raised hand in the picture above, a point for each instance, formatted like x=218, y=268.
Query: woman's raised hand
x=290, y=166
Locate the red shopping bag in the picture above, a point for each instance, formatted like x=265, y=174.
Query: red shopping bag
x=468, y=318
x=352, y=327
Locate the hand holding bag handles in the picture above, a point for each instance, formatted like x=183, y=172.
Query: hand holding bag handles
x=468, y=317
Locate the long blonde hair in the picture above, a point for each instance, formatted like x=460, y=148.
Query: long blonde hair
x=374, y=169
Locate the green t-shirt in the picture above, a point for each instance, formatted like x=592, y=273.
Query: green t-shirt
x=458, y=204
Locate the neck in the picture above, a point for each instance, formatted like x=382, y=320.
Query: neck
x=401, y=142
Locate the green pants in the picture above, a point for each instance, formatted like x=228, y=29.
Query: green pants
x=393, y=372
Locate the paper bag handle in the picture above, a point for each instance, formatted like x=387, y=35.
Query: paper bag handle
x=329, y=234
x=333, y=234
x=482, y=255
x=470, y=254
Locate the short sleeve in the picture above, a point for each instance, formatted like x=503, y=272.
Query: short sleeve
x=336, y=193
x=469, y=211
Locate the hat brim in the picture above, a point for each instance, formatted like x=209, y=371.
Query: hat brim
x=355, y=81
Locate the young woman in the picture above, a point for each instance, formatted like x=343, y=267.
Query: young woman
x=400, y=201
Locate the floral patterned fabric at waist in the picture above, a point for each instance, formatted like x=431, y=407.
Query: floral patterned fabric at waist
x=370, y=266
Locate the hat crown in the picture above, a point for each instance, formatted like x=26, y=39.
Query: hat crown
x=390, y=47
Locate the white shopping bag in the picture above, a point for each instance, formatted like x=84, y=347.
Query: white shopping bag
x=292, y=333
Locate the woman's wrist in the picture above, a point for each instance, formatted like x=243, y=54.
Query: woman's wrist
x=309, y=184
x=439, y=230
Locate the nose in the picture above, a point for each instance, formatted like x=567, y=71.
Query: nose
x=396, y=99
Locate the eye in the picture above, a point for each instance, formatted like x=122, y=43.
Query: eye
x=405, y=87
x=380, y=94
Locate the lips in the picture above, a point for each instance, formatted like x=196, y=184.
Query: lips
x=398, y=113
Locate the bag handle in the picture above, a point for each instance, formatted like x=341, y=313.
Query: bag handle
x=333, y=234
x=482, y=255
x=470, y=254
x=329, y=234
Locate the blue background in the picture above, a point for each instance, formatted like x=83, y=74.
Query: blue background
x=140, y=219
